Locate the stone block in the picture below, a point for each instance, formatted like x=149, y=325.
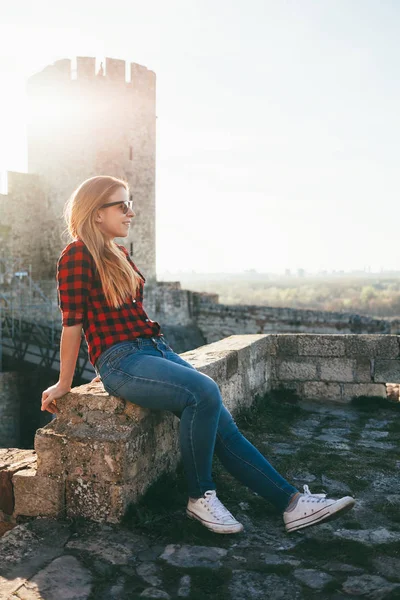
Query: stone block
x=335, y=369
x=98, y=458
x=296, y=368
x=386, y=370
x=12, y=460
x=102, y=501
x=382, y=346
x=36, y=495
x=49, y=447
x=321, y=390
x=287, y=344
x=353, y=390
x=321, y=345
x=363, y=369
x=65, y=577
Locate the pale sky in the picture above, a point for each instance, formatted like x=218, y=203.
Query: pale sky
x=278, y=130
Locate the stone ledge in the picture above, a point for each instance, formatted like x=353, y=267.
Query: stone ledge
x=101, y=453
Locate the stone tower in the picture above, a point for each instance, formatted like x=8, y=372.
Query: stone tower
x=86, y=123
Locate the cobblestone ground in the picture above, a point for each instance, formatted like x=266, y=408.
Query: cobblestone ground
x=159, y=553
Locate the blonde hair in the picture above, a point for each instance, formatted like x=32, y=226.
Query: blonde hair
x=117, y=276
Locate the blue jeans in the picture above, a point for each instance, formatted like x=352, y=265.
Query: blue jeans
x=147, y=372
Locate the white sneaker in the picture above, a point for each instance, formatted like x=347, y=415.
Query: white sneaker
x=212, y=513
x=312, y=509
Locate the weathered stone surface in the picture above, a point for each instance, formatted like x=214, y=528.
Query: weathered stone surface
x=351, y=390
x=254, y=586
x=102, y=501
x=150, y=573
x=387, y=566
x=35, y=495
x=335, y=369
x=382, y=346
x=322, y=391
x=12, y=460
x=193, y=556
x=312, y=578
x=120, y=546
x=26, y=548
x=386, y=370
x=10, y=400
x=49, y=447
x=304, y=476
x=363, y=369
x=369, y=537
x=279, y=559
x=299, y=369
x=321, y=345
x=58, y=454
x=286, y=345
x=64, y=578
x=335, y=487
x=154, y=593
x=184, y=587
x=369, y=586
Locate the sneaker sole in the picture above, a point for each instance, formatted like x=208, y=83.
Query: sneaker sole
x=328, y=514
x=215, y=526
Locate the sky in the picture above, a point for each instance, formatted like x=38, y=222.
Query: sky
x=278, y=123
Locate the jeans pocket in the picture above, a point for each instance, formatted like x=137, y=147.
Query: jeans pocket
x=114, y=360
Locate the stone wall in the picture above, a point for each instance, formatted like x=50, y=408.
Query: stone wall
x=335, y=367
x=9, y=410
x=221, y=320
x=101, y=453
x=23, y=241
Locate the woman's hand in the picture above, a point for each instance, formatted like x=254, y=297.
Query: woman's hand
x=50, y=396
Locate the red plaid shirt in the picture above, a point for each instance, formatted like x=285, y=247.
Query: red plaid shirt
x=81, y=300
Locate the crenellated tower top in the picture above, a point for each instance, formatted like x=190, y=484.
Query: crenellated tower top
x=114, y=71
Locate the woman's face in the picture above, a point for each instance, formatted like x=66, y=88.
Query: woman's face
x=111, y=220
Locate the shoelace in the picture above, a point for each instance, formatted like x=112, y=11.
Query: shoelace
x=318, y=497
x=216, y=505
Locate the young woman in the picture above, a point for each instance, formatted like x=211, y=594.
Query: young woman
x=100, y=289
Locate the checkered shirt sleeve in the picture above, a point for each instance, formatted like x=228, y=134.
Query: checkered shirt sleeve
x=74, y=278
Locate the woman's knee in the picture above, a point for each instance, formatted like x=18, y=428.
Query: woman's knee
x=227, y=427
x=208, y=394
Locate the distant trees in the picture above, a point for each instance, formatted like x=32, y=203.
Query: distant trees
x=379, y=298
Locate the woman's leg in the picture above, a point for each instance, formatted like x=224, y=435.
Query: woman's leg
x=140, y=374
x=243, y=460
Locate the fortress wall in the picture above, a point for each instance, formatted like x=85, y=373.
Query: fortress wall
x=219, y=320
x=28, y=221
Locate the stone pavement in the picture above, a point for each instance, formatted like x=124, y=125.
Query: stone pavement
x=157, y=552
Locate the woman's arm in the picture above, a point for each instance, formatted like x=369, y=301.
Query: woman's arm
x=69, y=349
x=74, y=277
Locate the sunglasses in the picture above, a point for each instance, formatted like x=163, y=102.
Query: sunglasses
x=125, y=205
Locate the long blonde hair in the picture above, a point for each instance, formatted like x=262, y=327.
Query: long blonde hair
x=117, y=276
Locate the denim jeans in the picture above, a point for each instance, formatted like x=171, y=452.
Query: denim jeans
x=147, y=372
